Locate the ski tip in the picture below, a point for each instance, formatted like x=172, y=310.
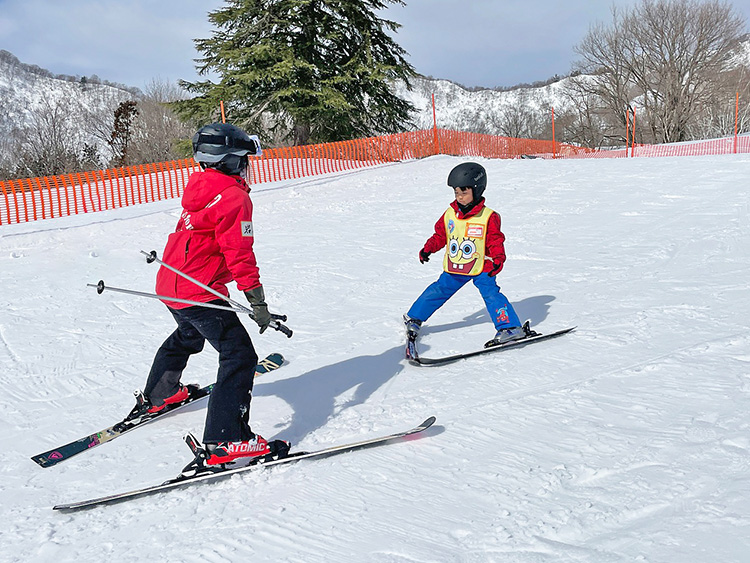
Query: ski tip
x=427, y=423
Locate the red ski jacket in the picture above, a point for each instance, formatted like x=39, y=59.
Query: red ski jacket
x=213, y=241
x=494, y=242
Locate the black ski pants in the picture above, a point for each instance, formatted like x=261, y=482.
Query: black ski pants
x=228, y=413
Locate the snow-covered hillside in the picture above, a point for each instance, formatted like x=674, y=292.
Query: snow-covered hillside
x=490, y=111
x=480, y=111
x=25, y=90
x=457, y=108
x=624, y=441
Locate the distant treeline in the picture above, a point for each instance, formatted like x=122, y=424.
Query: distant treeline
x=10, y=59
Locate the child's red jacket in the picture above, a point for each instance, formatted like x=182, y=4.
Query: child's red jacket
x=213, y=241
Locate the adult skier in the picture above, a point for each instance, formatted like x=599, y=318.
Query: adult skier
x=213, y=243
x=475, y=252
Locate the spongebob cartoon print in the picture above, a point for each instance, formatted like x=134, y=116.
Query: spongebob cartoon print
x=465, y=245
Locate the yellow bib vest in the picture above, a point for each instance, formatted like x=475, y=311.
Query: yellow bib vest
x=465, y=242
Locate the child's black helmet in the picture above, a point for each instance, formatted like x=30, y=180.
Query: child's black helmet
x=223, y=146
x=469, y=175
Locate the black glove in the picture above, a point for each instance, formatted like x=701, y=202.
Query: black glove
x=496, y=267
x=424, y=256
x=260, y=310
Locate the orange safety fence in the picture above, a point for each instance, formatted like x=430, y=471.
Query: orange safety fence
x=32, y=199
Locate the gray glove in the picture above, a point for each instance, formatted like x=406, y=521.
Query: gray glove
x=260, y=310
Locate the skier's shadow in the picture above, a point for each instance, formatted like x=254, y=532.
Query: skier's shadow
x=315, y=396
x=536, y=309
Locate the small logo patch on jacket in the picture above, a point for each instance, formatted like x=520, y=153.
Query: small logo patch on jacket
x=247, y=228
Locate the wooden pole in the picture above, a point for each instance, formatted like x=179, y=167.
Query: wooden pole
x=223, y=117
x=736, y=115
x=554, y=152
x=434, y=126
x=627, y=131
x=632, y=137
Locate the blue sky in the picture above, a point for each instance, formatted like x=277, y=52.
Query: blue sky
x=474, y=42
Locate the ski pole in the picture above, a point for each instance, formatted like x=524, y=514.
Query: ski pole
x=100, y=287
x=275, y=322
x=151, y=257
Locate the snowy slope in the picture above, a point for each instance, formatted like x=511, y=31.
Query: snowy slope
x=24, y=91
x=624, y=441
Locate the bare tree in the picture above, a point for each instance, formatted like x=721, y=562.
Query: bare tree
x=518, y=121
x=49, y=146
x=667, y=55
x=717, y=115
x=603, y=55
x=587, y=120
x=149, y=132
x=158, y=134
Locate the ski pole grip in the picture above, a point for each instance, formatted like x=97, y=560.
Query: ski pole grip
x=276, y=325
x=278, y=317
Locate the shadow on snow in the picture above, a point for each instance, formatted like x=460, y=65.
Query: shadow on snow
x=313, y=395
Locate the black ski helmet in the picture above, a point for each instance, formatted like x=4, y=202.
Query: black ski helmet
x=224, y=147
x=469, y=175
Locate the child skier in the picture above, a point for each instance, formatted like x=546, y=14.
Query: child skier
x=475, y=252
x=213, y=243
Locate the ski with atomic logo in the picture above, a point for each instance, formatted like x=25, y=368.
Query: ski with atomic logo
x=205, y=474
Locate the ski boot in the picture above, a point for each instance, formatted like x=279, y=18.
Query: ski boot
x=412, y=327
x=213, y=458
x=144, y=409
x=182, y=394
x=505, y=335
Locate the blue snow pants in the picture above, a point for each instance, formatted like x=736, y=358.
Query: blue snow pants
x=228, y=413
x=501, y=311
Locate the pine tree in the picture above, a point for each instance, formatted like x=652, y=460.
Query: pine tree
x=302, y=70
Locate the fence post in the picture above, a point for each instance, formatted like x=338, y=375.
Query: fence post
x=554, y=153
x=632, y=135
x=436, y=147
x=627, y=131
x=736, y=115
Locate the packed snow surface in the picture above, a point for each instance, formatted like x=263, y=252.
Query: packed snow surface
x=626, y=440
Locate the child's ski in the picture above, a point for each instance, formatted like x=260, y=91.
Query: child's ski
x=61, y=453
x=213, y=475
x=413, y=355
